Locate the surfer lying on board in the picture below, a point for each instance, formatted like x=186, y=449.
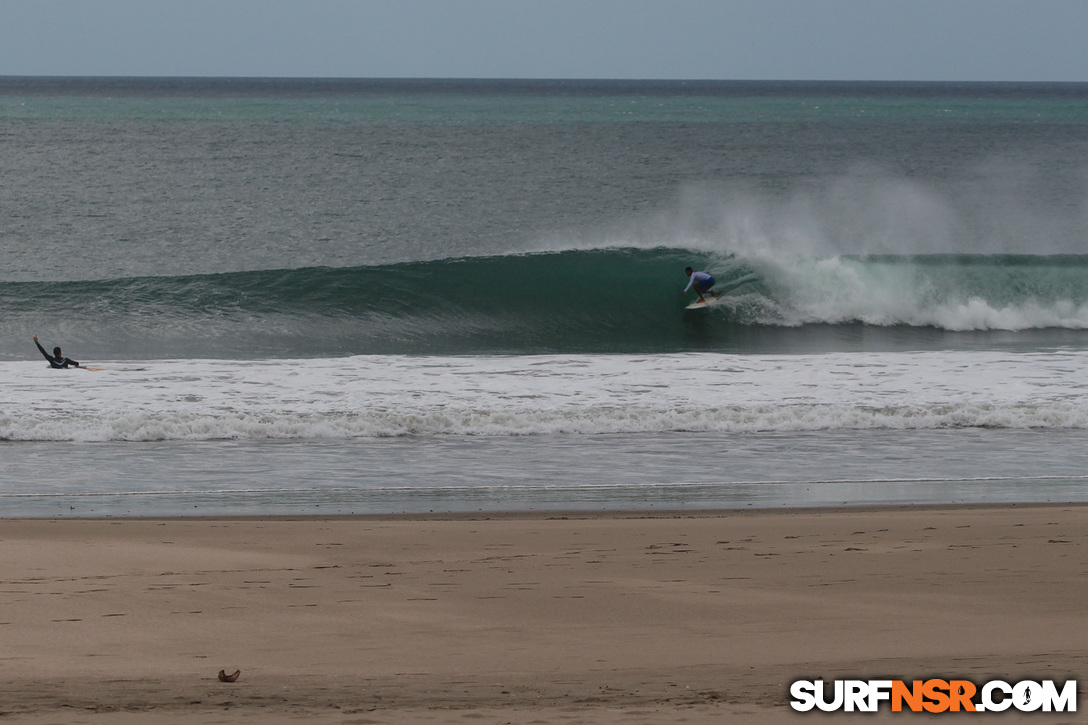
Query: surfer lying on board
x=57, y=359
x=701, y=281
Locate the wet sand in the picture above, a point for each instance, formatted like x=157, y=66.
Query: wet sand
x=691, y=617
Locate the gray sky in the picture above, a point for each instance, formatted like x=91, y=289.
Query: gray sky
x=1013, y=40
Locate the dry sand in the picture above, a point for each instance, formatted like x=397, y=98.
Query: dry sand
x=585, y=618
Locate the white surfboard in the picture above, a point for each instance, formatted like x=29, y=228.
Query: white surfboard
x=705, y=302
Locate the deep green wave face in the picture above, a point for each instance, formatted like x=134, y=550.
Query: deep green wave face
x=602, y=301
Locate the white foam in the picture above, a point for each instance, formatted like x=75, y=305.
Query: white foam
x=834, y=290
x=372, y=396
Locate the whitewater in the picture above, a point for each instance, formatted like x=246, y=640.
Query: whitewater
x=378, y=396
x=486, y=433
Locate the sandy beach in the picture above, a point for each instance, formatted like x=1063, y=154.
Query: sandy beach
x=530, y=618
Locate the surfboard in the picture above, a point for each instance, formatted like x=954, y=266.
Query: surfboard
x=705, y=302
x=127, y=370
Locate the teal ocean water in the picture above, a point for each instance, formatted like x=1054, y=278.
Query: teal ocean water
x=332, y=296
x=607, y=300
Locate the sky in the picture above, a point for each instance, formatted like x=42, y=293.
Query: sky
x=923, y=40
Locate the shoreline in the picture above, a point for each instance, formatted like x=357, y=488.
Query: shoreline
x=585, y=616
x=545, y=514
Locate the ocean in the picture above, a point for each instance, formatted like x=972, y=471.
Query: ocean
x=320, y=296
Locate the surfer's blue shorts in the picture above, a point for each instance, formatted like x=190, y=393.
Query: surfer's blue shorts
x=705, y=284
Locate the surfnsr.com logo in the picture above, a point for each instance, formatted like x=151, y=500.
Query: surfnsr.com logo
x=933, y=695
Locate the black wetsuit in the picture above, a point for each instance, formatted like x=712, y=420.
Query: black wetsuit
x=57, y=362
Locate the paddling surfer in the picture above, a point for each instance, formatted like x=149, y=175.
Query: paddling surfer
x=701, y=282
x=57, y=359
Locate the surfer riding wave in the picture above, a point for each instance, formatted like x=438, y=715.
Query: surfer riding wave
x=701, y=282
